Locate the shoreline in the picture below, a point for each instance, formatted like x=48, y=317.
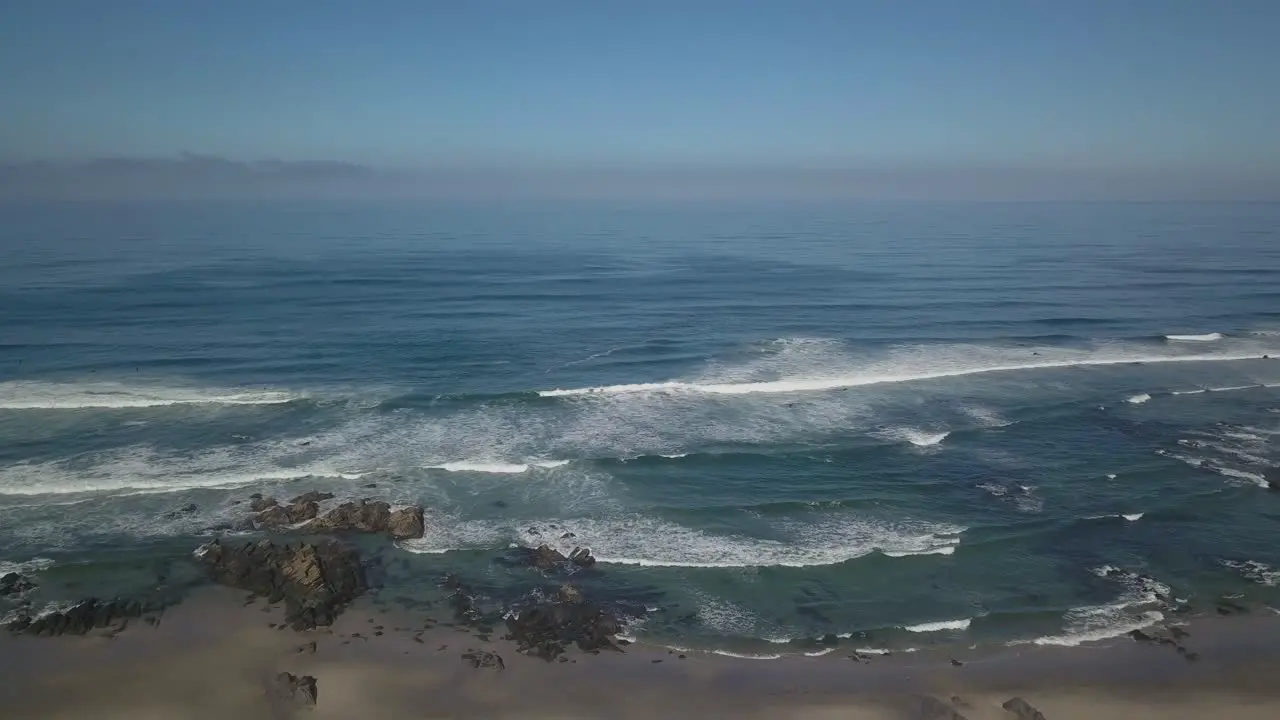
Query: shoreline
x=214, y=655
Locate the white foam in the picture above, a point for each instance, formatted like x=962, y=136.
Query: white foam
x=483, y=466
x=1111, y=476
x=940, y=626
x=986, y=417
x=1133, y=517
x=1190, y=392
x=1255, y=571
x=32, y=565
x=1138, y=399
x=647, y=541
x=1207, y=337
x=916, y=436
x=877, y=651
x=38, y=395
x=820, y=653
x=745, y=656
x=1095, y=624
x=908, y=365
x=1233, y=388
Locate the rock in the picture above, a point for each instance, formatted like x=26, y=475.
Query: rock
x=1022, y=709
x=314, y=496
x=259, y=503
x=545, y=629
x=568, y=536
x=1272, y=476
x=569, y=594
x=406, y=523
x=315, y=581
x=370, y=517
x=80, y=618
x=14, y=584
x=484, y=659
x=582, y=557
x=927, y=707
x=546, y=557
x=290, y=688
x=277, y=516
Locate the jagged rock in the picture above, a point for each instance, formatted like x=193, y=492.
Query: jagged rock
x=582, y=557
x=277, y=516
x=1272, y=476
x=1022, y=709
x=13, y=584
x=259, y=503
x=290, y=688
x=370, y=517
x=314, y=581
x=545, y=629
x=569, y=594
x=80, y=618
x=314, y=496
x=546, y=557
x=406, y=523
x=484, y=659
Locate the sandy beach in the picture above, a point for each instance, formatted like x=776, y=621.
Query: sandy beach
x=217, y=656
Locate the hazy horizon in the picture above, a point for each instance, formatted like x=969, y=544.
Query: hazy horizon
x=987, y=100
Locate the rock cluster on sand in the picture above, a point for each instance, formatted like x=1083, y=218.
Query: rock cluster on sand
x=314, y=580
x=545, y=628
x=1022, y=709
x=364, y=516
x=80, y=618
x=12, y=583
x=290, y=689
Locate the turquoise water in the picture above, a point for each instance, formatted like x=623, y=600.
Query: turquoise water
x=983, y=422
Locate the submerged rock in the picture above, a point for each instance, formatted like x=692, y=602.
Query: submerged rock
x=80, y=618
x=315, y=581
x=484, y=659
x=12, y=583
x=582, y=557
x=927, y=707
x=1022, y=709
x=1272, y=476
x=545, y=629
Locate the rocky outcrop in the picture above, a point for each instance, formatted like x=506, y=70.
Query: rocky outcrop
x=1272, y=476
x=546, y=628
x=548, y=559
x=484, y=659
x=302, y=513
x=290, y=689
x=12, y=583
x=927, y=707
x=80, y=618
x=1022, y=709
x=314, y=581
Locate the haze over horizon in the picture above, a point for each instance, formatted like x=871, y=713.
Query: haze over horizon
x=991, y=99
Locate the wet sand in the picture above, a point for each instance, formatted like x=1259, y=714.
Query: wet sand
x=214, y=657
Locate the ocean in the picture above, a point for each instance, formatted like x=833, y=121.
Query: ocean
x=904, y=424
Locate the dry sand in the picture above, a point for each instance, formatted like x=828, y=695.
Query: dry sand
x=214, y=658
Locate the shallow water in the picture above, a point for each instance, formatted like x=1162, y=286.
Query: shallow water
x=904, y=423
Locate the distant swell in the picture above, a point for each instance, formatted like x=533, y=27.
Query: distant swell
x=23, y=395
x=845, y=381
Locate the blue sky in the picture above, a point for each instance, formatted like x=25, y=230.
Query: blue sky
x=1186, y=86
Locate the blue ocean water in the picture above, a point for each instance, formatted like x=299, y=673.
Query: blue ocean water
x=906, y=423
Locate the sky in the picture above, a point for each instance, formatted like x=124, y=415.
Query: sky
x=927, y=97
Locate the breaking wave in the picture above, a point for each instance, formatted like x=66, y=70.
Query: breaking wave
x=36, y=395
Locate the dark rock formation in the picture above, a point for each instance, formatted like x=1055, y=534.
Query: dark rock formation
x=1272, y=476
x=314, y=581
x=278, y=516
x=14, y=584
x=582, y=557
x=80, y=618
x=314, y=496
x=291, y=689
x=1022, y=709
x=545, y=629
x=371, y=517
x=484, y=659
x=546, y=557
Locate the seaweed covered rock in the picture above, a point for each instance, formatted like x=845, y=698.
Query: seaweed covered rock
x=545, y=628
x=314, y=580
